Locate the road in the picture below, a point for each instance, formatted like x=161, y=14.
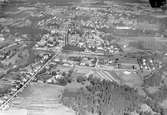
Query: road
x=11, y=45
x=22, y=88
x=104, y=69
x=14, y=44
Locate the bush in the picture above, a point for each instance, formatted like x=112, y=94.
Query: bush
x=81, y=79
x=62, y=82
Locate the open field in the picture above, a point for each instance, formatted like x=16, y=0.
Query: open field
x=41, y=99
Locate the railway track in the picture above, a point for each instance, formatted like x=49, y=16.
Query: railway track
x=3, y=105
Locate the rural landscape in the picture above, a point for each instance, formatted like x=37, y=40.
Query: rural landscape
x=82, y=57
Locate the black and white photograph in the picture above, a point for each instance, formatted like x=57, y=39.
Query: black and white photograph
x=83, y=57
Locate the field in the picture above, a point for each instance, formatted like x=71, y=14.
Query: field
x=41, y=99
x=117, y=65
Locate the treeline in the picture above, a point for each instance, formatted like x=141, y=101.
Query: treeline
x=103, y=98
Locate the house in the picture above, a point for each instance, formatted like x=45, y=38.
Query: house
x=146, y=63
x=13, y=89
x=1, y=101
x=1, y=37
x=57, y=59
x=51, y=80
x=58, y=76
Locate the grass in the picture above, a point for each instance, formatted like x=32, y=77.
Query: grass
x=4, y=87
x=41, y=99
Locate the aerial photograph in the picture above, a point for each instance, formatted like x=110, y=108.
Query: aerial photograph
x=83, y=57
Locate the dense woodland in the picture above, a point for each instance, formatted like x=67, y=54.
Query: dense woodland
x=107, y=98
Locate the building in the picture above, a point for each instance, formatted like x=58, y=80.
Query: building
x=66, y=41
x=147, y=63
